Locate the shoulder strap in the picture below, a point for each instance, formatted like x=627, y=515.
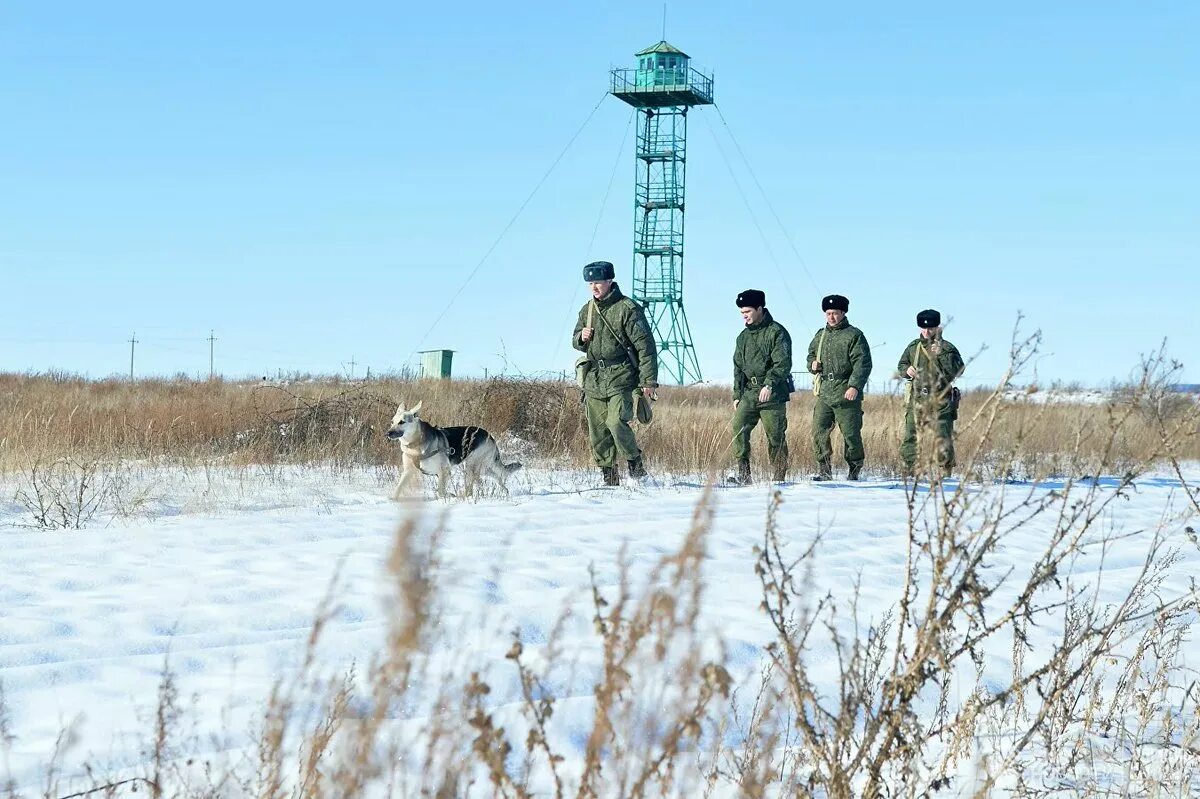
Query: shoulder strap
x=626, y=344
x=921, y=348
x=816, y=381
x=591, y=307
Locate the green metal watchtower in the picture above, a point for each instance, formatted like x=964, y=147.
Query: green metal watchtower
x=662, y=87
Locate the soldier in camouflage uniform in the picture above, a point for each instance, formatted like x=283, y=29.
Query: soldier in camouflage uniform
x=840, y=360
x=762, y=384
x=931, y=365
x=621, y=358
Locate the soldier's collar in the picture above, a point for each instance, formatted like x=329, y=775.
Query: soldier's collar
x=614, y=293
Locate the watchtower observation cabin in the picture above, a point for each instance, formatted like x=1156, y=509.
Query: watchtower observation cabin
x=663, y=86
x=664, y=77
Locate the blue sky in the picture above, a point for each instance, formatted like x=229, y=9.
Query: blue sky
x=315, y=182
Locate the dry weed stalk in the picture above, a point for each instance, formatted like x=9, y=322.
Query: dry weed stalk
x=66, y=494
x=638, y=738
x=891, y=729
x=655, y=697
x=538, y=702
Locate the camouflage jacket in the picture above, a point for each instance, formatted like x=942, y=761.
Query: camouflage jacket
x=762, y=356
x=622, y=349
x=937, y=363
x=845, y=358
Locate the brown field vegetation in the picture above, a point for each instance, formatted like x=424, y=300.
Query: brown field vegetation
x=48, y=417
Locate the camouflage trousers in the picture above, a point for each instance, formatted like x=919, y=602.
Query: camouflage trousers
x=609, y=432
x=774, y=420
x=848, y=415
x=919, y=424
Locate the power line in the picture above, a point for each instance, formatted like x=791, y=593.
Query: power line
x=503, y=232
x=595, y=228
x=753, y=217
x=766, y=199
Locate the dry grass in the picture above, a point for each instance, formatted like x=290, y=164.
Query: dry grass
x=46, y=419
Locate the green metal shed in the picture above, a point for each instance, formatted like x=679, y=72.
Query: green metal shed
x=436, y=363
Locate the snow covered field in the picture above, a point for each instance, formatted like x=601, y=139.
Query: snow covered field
x=1080, y=396
x=223, y=576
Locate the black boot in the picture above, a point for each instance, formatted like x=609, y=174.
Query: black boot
x=855, y=471
x=610, y=475
x=742, y=478
x=637, y=469
x=779, y=468
x=824, y=472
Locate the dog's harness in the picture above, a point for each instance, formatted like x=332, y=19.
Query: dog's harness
x=465, y=437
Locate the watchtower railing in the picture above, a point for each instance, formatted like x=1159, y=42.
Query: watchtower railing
x=663, y=79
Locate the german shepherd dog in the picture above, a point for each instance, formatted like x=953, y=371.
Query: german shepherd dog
x=432, y=450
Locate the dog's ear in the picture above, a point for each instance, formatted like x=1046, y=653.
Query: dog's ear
x=416, y=408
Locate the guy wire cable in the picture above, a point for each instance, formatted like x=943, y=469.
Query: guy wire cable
x=766, y=199
x=595, y=228
x=753, y=217
x=507, y=227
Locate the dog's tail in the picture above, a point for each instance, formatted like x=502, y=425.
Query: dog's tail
x=511, y=467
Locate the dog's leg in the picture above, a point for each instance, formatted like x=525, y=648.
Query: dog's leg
x=499, y=473
x=400, y=484
x=410, y=473
x=470, y=477
x=439, y=465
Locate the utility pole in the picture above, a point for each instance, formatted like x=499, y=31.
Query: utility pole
x=211, y=339
x=132, y=344
x=352, y=362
